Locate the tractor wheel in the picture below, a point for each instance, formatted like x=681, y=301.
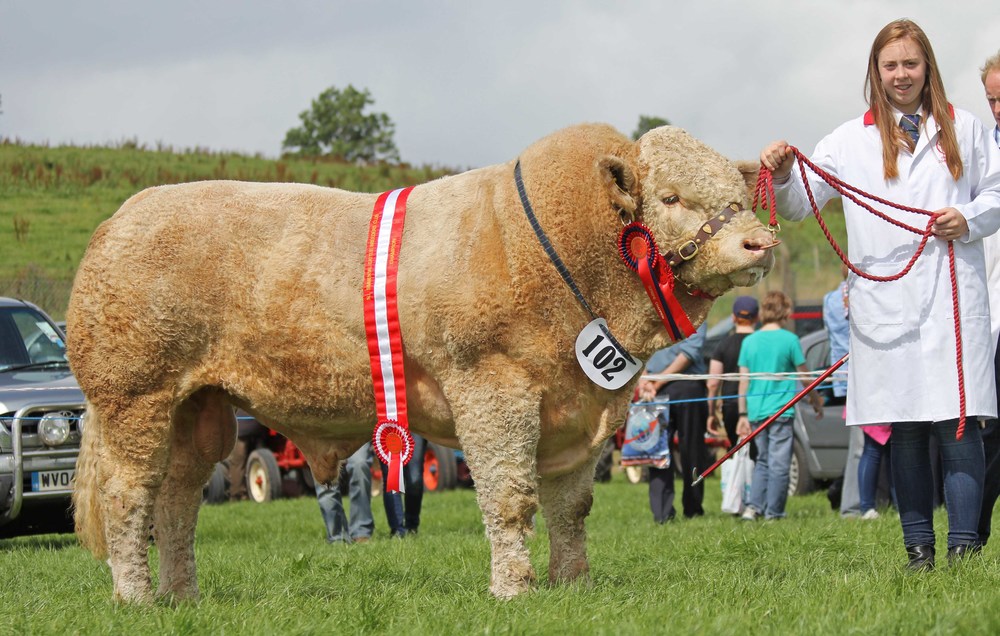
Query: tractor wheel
x=307, y=478
x=217, y=489
x=440, y=469
x=263, y=476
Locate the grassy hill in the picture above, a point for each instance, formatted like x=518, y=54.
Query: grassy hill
x=53, y=198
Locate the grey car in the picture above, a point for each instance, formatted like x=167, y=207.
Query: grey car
x=41, y=407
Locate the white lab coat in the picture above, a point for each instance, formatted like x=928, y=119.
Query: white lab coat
x=903, y=360
x=992, y=245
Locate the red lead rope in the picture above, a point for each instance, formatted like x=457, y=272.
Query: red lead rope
x=765, y=195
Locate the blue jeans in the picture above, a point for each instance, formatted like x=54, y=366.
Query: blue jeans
x=963, y=465
x=769, y=489
x=869, y=468
x=360, y=492
x=413, y=479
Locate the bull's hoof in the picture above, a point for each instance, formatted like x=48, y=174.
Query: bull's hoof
x=578, y=569
x=130, y=596
x=172, y=598
x=510, y=583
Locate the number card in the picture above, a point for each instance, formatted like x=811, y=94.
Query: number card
x=604, y=361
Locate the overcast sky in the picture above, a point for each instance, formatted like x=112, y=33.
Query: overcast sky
x=466, y=83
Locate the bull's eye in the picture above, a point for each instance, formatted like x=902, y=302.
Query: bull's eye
x=670, y=200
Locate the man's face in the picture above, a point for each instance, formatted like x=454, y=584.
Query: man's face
x=993, y=93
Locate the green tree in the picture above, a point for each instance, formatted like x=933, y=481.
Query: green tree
x=336, y=126
x=647, y=123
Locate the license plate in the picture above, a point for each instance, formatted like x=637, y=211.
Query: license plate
x=51, y=480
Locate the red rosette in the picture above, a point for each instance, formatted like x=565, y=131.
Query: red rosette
x=390, y=438
x=636, y=243
x=394, y=447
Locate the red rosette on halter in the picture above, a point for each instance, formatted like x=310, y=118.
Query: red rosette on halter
x=639, y=251
x=394, y=447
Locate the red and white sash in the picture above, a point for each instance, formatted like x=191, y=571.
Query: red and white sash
x=391, y=439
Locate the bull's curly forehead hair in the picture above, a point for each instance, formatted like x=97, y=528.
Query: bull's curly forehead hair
x=992, y=64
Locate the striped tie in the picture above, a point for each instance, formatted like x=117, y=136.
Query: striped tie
x=911, y=125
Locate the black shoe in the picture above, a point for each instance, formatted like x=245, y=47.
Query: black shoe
x=960, y=552
x=670, y=517
x=921, y=558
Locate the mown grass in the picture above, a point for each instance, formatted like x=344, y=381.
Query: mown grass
x=265, y=569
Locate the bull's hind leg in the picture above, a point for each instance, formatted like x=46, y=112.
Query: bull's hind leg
x=133, y=459
x=566, y=502
x=203, y=434
x=499, y=429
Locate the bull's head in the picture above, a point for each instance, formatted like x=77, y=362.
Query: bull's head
x=683, y=185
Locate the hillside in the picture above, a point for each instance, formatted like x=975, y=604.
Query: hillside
x=54, y=198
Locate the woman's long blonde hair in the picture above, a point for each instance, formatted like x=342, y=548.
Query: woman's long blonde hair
x=932, y=99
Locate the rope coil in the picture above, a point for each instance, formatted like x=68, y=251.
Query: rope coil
x=764, y=193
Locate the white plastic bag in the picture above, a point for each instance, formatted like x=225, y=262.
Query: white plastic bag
x=737, y=473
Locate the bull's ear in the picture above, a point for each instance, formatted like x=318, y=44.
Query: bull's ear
x=619, y=182
x=750, y=170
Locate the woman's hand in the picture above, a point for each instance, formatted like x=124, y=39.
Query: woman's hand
x=743, y=426
x=778, y=158
x=647, y=390
x=949, y=224
x=712, y=426
x=817, y=403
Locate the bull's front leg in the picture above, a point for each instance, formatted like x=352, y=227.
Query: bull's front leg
x=497, y=419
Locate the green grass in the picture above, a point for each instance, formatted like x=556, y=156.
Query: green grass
x=266, y=569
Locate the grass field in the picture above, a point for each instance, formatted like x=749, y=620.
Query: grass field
x=266, y=569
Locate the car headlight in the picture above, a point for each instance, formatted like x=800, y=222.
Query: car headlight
x=53, y=428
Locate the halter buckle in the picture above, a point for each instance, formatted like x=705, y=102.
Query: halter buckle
x=688, y=250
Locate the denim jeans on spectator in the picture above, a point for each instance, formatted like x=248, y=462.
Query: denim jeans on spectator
x=359, y=489
x=869, y=469
x=769, y=489
x=401, y=522
x=963, y=466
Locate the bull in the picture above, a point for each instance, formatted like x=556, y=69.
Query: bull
x=196, y=298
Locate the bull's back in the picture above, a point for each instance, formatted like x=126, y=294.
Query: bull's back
x=185, y=277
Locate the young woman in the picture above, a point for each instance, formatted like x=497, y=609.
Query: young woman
x=771, y=349
x=903, y=357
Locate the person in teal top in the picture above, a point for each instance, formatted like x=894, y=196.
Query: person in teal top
x=771, y=349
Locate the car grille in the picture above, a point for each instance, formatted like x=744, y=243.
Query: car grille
x=31, y=416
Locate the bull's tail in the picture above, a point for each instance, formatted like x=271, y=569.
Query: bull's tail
x=87, y=515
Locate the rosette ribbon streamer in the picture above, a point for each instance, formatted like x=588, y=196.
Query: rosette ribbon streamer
x=639, y=251
x=391, y=439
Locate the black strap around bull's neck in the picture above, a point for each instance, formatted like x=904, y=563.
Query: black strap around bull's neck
x=544, y=240
x=554, y=257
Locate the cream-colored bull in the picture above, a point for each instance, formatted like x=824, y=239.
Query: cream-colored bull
x=200, y=296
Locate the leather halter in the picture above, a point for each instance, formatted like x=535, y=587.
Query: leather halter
x=690, y=248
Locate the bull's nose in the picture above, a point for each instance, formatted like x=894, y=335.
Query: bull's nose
x=760, y=245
